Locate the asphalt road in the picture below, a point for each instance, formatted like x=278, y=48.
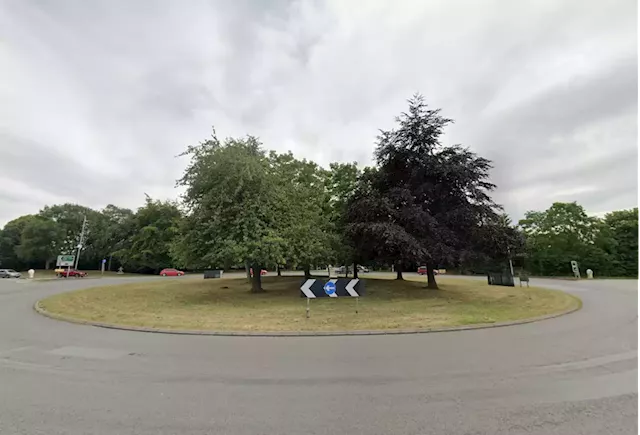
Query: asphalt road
x=576, y=374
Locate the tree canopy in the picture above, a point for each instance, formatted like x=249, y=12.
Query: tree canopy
x=422, y=202
x=565, y=232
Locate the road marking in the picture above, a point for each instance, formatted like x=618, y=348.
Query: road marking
x=88, y=352
x=591, y=362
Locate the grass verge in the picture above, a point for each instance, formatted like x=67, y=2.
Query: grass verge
x=227, y=305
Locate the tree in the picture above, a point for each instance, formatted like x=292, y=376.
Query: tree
x=39, y=241
x=560, y=234
x=234, y=204
x=341, y=183
x=10, y=237
x=152, y=232
x=376, y=225
x=69, y=219
x=303, y=221
x=425, y=201
x=113, y=232
x=495, y=242
x=623, y=229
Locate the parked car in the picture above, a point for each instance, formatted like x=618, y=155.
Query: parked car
x=349, y=269
x=70, y=273
x=263, y=272
x=9, y=273
x=341, y=269
x=422, y=270
x=171, y=272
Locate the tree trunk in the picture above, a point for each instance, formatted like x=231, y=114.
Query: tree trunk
x=307, y=271
x=46, y=265
x=256, y=280
x=399, y=272
x=278, y=269
x=355, y=270
x=431, y=278
x=246, y=268
x=109, y=267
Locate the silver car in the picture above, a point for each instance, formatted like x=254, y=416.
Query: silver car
x=9, y=273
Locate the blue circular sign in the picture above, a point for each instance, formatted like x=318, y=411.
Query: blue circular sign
x=104, y=260
x=330, y=288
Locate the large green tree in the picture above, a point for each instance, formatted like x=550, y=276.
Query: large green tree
x=341, y=184
x=563, y=233
x=151, y=232
x=40, y=241
x=303, y=210
x=10, y=238
x=112, y=232
x=234, y=207
x=623, y=229
x=69, y=219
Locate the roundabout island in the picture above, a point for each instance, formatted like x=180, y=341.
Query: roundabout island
x=226, y=306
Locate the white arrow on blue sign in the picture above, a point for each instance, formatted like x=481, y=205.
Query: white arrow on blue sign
x=330, y=288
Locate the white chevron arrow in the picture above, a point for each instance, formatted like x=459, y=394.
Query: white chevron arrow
x=350, y=287
x=306, y=288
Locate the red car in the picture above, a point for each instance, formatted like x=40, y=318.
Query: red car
x=171, y=272
x=422, y=270
x=263, y=272
x=71, y=273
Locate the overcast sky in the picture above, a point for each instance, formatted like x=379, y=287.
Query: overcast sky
x=98, y=97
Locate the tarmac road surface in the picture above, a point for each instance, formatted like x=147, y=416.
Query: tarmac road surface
x=576, y=374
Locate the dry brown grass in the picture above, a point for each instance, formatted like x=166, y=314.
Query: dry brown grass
x=227, y=305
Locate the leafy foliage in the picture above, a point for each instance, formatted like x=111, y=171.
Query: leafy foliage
x=565, y=232
x=421, y=203
x=424, y=202
x=152, y=231
x=40, y=241
x=10, y=238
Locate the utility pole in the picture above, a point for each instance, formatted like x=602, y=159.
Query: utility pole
x=84, y=224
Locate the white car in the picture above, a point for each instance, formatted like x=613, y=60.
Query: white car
x=9, y=273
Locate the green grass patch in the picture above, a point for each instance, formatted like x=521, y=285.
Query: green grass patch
x=227, y=305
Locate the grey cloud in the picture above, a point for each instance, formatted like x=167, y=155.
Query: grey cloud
x=125, y=86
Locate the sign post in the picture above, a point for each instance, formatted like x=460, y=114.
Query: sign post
x=65, y=261
x=575, y=269
x=332, y=288
x=104, y=260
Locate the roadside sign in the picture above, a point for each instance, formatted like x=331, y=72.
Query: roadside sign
x=104, y=260
x=330, y=288
x=333, y=288
x=65, y=260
